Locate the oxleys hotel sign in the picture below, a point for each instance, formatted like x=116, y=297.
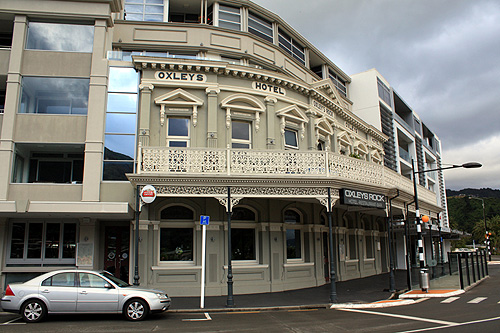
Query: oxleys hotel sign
x=268, y=88
x=177, y=76
x=361, y=198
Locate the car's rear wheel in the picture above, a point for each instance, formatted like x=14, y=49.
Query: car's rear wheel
x=136, y=309
x=33, y=311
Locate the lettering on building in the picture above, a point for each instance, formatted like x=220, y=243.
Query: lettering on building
x=362, y=198
x=268, y=88
x=322, y=108
x=351, y=127
x=177, y=76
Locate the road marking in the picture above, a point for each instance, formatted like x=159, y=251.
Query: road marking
x=453, y=325
x=450, y=299
x=302, y=310
x=207, y=317
x=435, y=321
x=11, y=322
x=477, y=300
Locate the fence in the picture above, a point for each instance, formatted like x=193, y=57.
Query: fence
x=469, y=266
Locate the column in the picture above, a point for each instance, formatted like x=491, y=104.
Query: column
x=311, y=131
x=13, y=88
x=144, y=113
x=94, y=143
x=270, y=122
x=212, y=111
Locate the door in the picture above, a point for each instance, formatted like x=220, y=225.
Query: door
x=95, y=294
x=60, y=291
x=116, y=251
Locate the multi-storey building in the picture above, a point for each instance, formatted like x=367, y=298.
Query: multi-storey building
x=409, y=141
x=222, y=107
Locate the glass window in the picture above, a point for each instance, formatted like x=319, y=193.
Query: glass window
x=243, y=244
x=176, y=244
x=383, y=92
x=291, y=139
x=292, y=47
x=242, y=214
x=292, y=216
x=339, y=83
x=229, y=17
x=61, y=168
x=60, y=280
x=144, y=10
x=91, y=280
x=177, y=132
x=293, y=244
x=60, y=37
x=40, y=242
x=260, y=27
x=121, y=123
x=353, y=253
x=241, y=134
x=54, y=95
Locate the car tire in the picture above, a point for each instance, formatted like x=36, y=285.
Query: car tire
x=33, y=311
x=136, y=310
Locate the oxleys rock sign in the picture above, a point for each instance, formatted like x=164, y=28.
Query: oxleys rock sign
x=178, y=76
x=361, y=198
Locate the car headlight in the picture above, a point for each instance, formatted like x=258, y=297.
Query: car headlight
x=162, y=296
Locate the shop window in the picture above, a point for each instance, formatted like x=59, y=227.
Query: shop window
x=229, y=17
x=243, y=244
x=241, y=135
x=291, y=140
x=54, y=95
x=177, y=132
x=37, y=243
x=353, y=253
x=369, y=247
x=260, y=27
x=121, y=123
x=60, y=37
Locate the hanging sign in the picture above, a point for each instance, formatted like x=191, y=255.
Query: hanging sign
x=148, y=194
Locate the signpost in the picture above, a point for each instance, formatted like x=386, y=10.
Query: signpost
x=147, y=195
x=204, y=221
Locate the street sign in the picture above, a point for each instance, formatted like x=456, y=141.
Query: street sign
x=204, y=220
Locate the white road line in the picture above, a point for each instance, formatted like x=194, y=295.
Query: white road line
x=477, y=300
x=453, y=325
x=11, y=322
x=450, y=299
x=207, y=317
x=435, y=321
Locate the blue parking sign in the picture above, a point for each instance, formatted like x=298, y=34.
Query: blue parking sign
x=204, y=219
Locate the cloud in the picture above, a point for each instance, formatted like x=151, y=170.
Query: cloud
x=441, y=56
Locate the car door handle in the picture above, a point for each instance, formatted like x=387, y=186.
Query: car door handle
x=83, y=292
x=45, y=291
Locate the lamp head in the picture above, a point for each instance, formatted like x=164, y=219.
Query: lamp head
x=471, y=165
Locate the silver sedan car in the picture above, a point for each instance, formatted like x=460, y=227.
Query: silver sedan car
x=81, y=291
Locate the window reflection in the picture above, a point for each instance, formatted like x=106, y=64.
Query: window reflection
x=60, y=37
x=54, y=95
x=120, y=123
x=123, y=79
x=119, y=147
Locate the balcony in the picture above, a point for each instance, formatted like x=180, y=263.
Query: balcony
x=168, y=161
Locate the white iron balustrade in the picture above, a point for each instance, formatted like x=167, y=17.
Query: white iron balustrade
x=196, y=161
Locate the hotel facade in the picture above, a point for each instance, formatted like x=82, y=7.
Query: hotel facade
x=227, y=112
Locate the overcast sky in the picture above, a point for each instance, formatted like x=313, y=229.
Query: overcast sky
x=441, y=56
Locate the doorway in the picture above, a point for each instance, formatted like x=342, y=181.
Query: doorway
x=116, y=251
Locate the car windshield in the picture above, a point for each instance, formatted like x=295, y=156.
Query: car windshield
x=116, y=280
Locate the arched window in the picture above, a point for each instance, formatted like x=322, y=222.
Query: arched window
x=242, y=214
x=176, y=238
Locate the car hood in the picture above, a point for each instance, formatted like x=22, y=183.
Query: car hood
x=135, y=288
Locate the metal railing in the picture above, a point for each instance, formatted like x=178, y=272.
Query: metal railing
x=470, y=267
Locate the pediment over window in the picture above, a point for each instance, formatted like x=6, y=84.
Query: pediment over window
x=327, y=88
x=324, y=126
x=179, y=98
x=375, y=156
x=292, y=115
x=243, y=103
x=361, y=147
x=343, y=137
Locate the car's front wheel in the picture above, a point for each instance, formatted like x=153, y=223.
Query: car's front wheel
x=136, y=309
x=33, y=311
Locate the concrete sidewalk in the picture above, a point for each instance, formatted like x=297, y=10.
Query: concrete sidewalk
x=358, y=291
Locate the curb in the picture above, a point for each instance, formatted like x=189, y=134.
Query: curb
x=264, y=308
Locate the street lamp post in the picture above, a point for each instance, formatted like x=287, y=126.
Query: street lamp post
x=469, y=165
x=487, y=238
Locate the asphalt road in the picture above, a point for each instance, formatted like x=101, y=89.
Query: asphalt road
x=478, y=310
